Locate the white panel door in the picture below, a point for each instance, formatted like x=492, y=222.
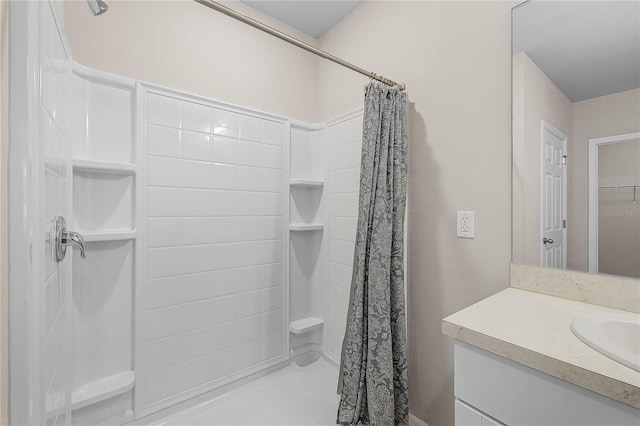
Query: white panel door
x=40, y=284
x=553, y=193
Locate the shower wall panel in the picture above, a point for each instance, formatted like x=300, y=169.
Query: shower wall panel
x=214, y=292
x=52, y=174
x=344, y=143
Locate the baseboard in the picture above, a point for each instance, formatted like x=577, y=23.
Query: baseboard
x=414, y=421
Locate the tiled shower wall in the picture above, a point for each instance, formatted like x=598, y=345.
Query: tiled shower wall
x=344, y=142
x=215, y=215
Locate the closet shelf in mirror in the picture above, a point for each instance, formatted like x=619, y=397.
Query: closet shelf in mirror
x=109, y=235
x=620, y=187
x=632, y=188
x=306, y=227
x=104, y=167
x=306, y=183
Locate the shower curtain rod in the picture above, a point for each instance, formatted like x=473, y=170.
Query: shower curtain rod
x=282, y=36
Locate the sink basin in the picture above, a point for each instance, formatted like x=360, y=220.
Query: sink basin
x=616, y=335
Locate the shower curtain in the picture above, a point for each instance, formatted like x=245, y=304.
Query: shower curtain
x=373, y=373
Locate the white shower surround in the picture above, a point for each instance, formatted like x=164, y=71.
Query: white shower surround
x=214, y=307
x=138, y=350
x=290, y=282
x=214, y=292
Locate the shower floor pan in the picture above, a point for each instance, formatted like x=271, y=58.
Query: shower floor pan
x=293, y=395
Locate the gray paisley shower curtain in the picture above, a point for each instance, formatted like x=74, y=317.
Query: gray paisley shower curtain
x=373, y=377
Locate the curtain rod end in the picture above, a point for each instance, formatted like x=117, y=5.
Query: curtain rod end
x=401, y=87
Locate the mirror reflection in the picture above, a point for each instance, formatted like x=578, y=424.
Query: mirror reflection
x=576, y=135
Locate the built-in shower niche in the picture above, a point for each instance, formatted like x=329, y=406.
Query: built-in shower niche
x=104, y=212
x=306, y=239
x=102, y=126
x=103, y=375
x=308, y=153
x=307, y=291
x=305, y=206
x=307, y=174
x=104, y=166
x=103, y=202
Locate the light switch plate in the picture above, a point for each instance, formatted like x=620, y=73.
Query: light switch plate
x=466, y=224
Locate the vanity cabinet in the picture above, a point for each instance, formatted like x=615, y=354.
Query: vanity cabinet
x=469, y=416
x=492, y=390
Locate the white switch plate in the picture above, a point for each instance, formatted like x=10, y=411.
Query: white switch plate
x=466, y=224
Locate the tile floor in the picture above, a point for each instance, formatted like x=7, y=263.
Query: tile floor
x=294, y=395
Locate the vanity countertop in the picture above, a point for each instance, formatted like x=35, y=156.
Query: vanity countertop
x=533, y=329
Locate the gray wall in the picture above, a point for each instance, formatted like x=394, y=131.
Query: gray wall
x=455, y=58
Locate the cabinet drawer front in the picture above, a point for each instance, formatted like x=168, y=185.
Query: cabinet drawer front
x=519, y=395
x=467, y=416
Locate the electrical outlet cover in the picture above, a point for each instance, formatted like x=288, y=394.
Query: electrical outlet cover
x=466, y=224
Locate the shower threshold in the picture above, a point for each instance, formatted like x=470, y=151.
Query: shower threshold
x=294, y=395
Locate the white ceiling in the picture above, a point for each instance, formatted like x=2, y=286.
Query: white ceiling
x=587, y=48
x=313, y=17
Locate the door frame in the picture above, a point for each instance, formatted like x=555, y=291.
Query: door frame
x=594, y=144
x=545, y=125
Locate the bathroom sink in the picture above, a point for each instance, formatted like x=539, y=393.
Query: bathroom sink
x=616, y=335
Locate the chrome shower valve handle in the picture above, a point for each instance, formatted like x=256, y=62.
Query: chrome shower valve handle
x=75, y=239
x=64, y=238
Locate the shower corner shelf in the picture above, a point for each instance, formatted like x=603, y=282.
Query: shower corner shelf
x=104, y=167
x=306, y=183
x=305, y=325
x=102, y=389
x=110, y=235
x=306, y=227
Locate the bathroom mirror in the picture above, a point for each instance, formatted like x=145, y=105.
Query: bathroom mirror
x=576, y=135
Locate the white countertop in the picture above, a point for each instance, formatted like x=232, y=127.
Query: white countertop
x=534, y=330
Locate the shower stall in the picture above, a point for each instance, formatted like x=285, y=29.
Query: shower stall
x=219, y=240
